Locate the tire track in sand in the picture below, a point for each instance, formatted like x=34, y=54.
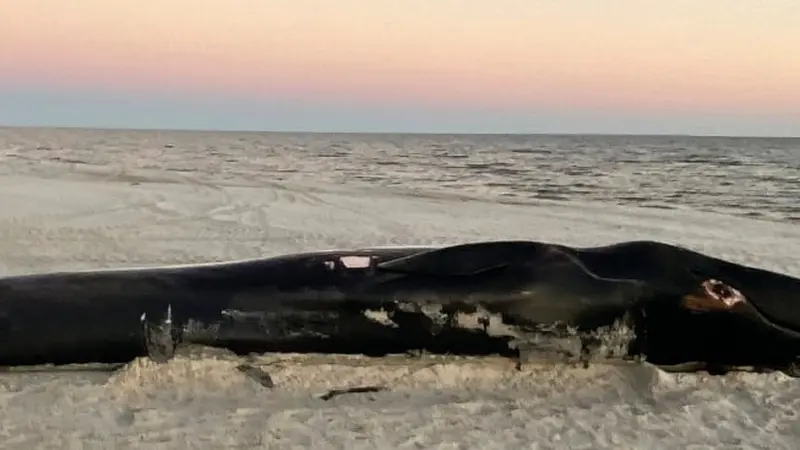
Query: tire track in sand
x=151, y=223
x=102, y=231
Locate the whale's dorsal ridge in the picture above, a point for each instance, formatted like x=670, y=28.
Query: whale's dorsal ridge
x=462, y=260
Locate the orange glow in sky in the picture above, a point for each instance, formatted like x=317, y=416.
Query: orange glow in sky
x=511, y=54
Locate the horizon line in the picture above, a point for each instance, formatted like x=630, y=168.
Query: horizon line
x=418, y=133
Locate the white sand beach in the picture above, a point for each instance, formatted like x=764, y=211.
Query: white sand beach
x=63, y=217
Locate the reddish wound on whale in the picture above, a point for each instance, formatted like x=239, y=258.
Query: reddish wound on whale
x=713, y=295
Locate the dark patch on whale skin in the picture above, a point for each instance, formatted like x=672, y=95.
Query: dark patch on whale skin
x=325, y=302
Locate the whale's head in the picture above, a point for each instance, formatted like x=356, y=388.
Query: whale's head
x=768, y=298
x=728, y=320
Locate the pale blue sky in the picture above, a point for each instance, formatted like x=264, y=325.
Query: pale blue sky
x=721, y=67
x=83, y=109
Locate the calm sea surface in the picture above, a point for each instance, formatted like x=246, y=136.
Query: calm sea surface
x=757, y=177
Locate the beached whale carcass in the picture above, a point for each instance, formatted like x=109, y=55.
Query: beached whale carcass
x=504, y=297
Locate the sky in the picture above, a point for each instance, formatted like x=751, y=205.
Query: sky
x=720, y=67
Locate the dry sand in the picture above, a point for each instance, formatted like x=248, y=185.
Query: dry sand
x=92, y=219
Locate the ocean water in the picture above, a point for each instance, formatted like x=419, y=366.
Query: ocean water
x=756, y=177
x=84, y=199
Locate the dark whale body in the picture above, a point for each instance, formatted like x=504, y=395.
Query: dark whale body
x=479, y=298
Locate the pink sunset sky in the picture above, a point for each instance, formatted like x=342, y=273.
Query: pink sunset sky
x=729, y=61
